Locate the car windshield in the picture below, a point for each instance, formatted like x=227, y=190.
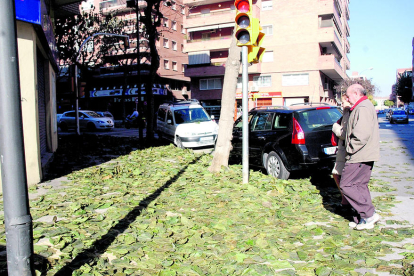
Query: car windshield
x=92, y=114
x=399, y=112
x=319, y=118
x=191, y=115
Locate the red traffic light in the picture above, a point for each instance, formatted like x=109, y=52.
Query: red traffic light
x=242, y=5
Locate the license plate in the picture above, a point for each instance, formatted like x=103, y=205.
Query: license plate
x=209, y=138
x=330, y=150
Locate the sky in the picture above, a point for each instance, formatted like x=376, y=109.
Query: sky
x=381, y=35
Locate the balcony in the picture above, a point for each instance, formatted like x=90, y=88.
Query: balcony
x=328, y=38
x=346, y=62
x=204, y=71
x=200, y=2
x=199, y=20
x=197, y=45
x=111, y=5
x=330, y=66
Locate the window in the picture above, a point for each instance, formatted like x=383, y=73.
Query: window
x=281, y=121
x=182, y=29
x=174, y=25
x=268, y=56
x=239, y=82
x=205, y=11
x=165, y=22
x=182, y=10
x=262, y=81
x=166, y=64
x=165, y=43
x=173, y=5
x=205, y=36
x=174, y=65
x=262, y=121
x=161, y=114
x=174, y=45
x=182, y=68
x=182, y=48
x=268, y=29
x=206, y=84
x=267, y=5
x=295, y=79
x=170, y=117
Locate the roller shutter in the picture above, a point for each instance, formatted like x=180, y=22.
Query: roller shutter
x=41, y=103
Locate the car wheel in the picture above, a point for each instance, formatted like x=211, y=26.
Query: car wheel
x=275, y=166
x=179, y=143
x=91, y=126
x=63, y=126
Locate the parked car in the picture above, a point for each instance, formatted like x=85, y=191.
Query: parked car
x=105, y=114
x=399, y=116
x=186, y=124
x=388, y=114
x=87, y=120
x=286, y=139
x=58, y=116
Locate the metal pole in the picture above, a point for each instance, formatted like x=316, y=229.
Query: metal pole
x=139, y=109
x=18, y=221
x=245, y=118
x=77, y=100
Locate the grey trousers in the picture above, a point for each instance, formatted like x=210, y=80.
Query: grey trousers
x=354, y=187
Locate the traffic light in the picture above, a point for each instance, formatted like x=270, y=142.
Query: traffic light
x=243, y=20
x=255, y=52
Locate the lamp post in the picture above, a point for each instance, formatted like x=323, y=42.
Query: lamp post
x=368, y=69
x=126, y=43
x=134, y=4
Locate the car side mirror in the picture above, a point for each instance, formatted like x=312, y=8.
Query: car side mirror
x=169, y=122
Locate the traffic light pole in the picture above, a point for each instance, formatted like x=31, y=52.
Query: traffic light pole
x=245, y=115
x=18, y=222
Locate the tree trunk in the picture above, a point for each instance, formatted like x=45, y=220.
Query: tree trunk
x=228, y=98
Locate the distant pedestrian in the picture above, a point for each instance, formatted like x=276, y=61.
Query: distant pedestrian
x=339, y=129
x=362, y=150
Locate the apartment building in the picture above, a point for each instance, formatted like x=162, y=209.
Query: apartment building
x=306, y=50
x=112, y=89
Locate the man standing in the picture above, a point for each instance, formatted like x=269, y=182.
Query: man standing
x=362, y=145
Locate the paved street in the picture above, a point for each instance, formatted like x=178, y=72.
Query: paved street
x=396, y=165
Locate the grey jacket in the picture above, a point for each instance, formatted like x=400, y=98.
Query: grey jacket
x=362, y=141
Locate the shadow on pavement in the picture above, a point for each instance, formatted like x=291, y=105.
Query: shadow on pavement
x=99, y=246
x=40, y=263
x=79, y=152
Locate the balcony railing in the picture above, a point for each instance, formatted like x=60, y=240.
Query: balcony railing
x=191, y=16
x=208, y=39
x=116, y=4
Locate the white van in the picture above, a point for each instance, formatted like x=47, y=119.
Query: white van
x=186, y=124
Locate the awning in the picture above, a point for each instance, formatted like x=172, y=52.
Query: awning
x=202, y=57
x=210, y=27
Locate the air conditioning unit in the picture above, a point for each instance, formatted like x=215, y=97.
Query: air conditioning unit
x=254, y=88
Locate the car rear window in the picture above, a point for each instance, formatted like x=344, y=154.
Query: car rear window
x=318, y=118
x=191, y=115
x=399, y=112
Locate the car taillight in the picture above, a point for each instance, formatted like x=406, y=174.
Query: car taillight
x=323, y=107
x=298, y=136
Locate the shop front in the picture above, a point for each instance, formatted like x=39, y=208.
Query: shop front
x=261, y=99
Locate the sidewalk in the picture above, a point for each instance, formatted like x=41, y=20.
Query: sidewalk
x=159, y=211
